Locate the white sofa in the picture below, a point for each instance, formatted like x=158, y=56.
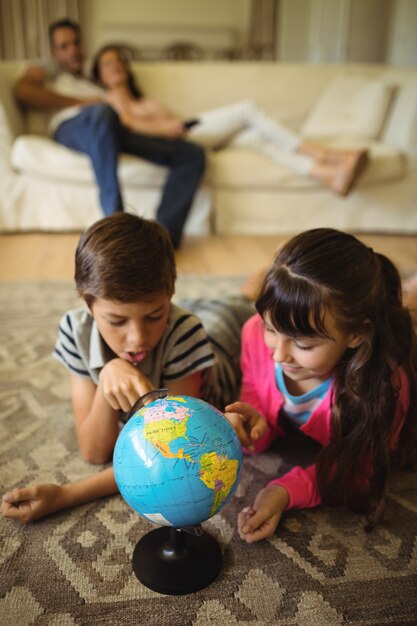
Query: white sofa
x=47, y=187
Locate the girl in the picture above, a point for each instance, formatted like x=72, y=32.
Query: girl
x=240, y=124
x=332, y=352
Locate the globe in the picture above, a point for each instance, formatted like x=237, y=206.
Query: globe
x=177, y=461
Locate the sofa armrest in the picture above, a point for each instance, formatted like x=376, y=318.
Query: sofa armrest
x=13, y=115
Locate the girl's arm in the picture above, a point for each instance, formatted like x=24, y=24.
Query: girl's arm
x=251, y=427
x=261, y=520
x=301, y=483
x=297, y=488
x=301, y=486
x=258, y=388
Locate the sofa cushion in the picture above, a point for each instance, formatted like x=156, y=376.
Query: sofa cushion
x=231, y=167
x=40, y=156
x=241, y=168
x=354, y=106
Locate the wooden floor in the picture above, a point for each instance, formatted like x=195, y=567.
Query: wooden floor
x=50, y=256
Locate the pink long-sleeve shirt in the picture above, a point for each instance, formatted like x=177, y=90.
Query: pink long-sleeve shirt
x=259, y=389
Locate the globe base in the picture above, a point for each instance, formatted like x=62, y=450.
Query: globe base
x=175, y=562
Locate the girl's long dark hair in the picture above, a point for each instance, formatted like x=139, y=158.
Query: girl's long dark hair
x=131, y=81
x=327, y=270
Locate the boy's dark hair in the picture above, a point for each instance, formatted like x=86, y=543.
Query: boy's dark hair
x=64, y=22
x=125, y=258
x=123, y=56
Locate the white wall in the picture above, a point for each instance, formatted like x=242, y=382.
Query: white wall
x=330, y=31
x=402, y=44
x=149, y=24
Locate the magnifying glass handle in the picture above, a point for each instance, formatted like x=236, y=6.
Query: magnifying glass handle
x=150, y=396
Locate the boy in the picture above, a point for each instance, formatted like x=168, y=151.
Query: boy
x=130, y=339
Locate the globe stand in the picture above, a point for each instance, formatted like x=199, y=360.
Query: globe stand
x=177, y=561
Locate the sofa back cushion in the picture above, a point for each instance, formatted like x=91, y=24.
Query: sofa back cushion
x=353, y=106
x=287, y=91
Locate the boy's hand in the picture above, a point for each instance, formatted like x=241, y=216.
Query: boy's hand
x=122, y=384
x=31, y=503
x=248, y=423
x=261, y=520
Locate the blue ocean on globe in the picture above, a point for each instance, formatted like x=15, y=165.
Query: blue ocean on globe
x=177, y=461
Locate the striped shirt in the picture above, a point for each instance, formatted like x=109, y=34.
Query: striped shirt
x=203, y=336
x=299, y=408
x=182, y=350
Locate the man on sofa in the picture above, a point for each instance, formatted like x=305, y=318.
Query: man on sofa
x=84, y=122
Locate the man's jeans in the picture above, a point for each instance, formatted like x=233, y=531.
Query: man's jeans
x=97, y=132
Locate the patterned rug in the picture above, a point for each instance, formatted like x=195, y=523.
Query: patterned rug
x=74, y=568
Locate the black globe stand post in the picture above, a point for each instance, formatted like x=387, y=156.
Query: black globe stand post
x=177, y=561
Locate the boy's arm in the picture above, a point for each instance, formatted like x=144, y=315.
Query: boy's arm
x=32, y=503
x=96, y=422
x=96, y=408
x=30, y=91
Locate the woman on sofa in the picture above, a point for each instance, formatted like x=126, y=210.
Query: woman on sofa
x=239, y=124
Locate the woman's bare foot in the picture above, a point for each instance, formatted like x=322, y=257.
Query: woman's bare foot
x=328, y=155
x=341, y=172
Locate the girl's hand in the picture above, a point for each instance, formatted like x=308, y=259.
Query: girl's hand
x=261, y=520
x=122, y=384
x=31, y=503
x=247, y=422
